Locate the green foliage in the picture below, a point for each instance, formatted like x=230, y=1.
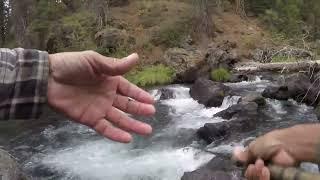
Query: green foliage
x=170, y=37
x=152, y=76
x=249, y=41
x=220, y=75
x=289, y=17
x=172, y=34
x=74, y=32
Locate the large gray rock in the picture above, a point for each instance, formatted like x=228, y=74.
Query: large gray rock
x=219, y=168
x=244, y=117
x=209, y=93
x=9, y=169
x=222, y=55
x=188, y=64
x=254, y=97
x=211, y=132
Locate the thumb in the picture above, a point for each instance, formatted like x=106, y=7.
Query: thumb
x=115, y=67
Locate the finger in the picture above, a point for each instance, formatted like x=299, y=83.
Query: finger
x=107, y=130
x=128, y=89
x=114, y=67
x=250, y=172
x=283, y=158
x=242, y=156
x=124, y=122
x=133, y=107
x=259, y=165
x=265, y=174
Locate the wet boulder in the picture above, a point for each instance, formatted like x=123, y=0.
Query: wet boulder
x=238, y=78
x=276, y=92
x=209, y=93
x=166, y=94
x=254, y=97
x=9, y=168
x=249, y=110
x=188, y=64
x=213, y=131
x=298, y=87
x=219, y=168
x=243, y=117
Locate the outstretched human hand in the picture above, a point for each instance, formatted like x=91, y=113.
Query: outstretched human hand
x=89, y=89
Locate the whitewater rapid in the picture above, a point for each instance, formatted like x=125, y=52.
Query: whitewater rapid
x=70, y=151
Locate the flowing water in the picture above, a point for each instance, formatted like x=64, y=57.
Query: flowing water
x=64, y=150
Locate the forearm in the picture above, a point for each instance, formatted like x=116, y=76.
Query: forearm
x=303, y=142
x=23, y=83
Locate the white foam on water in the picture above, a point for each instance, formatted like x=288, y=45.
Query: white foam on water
x=301, y=106
x=227, y=148
x=277, y=106
x=257, y=80
x=104, y=160
x=188, y=113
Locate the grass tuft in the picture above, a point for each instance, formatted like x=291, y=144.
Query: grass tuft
x=152, y=76
x=220, y=75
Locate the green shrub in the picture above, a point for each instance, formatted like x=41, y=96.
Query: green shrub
x=249, y=42
x=220, y=75
x=152, y=76
x=73, y=33
x=168, y=37
x=172, y=34
x=120, y=52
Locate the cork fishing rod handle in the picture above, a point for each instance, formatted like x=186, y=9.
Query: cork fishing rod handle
x=280, y=173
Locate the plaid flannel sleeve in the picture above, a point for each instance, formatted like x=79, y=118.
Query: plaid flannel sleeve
x=23, y=83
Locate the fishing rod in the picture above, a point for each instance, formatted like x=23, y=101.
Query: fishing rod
x=278, y=172
x=290, y=173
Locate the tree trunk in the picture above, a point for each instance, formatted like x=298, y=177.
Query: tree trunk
x=203, y=18
x=240, y=8
x=278, y=67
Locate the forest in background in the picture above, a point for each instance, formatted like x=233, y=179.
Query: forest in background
x=150, y=27
x=57, y=25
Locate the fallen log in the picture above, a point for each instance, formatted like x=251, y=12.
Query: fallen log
x=252, y=67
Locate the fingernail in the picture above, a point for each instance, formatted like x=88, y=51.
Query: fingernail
x=152, y=109
x=148, y=129
x=264, y=172
x=133, y=55
x=126, y=138
x=237, y=154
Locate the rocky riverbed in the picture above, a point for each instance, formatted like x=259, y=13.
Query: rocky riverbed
x=195, y=130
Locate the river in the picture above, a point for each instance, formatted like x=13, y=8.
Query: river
x=65, y=150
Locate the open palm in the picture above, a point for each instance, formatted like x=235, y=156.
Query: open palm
x=89, y=88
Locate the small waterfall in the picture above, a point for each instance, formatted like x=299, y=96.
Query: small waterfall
x=229, y=101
